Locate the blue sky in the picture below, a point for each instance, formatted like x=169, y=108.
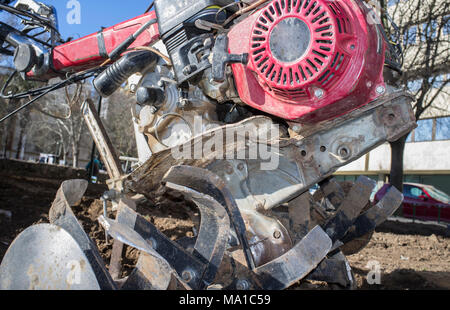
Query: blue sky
x=96, y=14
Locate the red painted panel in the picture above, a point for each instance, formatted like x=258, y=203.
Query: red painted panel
x=344, y=61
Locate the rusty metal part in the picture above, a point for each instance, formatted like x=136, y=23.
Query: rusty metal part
x=101, y=139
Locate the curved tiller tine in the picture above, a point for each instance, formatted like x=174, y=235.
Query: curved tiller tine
x=335, y=269
x=350, y=208
x=183, y=262
x=368, y=221
x=152, y=271
x=215, y=202
x=297, y=263
x=62, y=215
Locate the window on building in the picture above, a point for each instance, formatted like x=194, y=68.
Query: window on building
x=424, y=131
x=443, y=128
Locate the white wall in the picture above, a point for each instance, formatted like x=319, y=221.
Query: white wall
x=419, y=156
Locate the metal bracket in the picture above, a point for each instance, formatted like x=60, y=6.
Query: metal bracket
x=104, y=145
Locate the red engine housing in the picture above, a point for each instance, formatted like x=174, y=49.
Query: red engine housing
x=309, y=60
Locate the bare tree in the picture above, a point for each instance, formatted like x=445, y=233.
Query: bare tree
x=119, y=123
x=424, y=26
x=62, y=119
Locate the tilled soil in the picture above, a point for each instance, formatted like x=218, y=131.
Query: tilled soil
x=409, y=256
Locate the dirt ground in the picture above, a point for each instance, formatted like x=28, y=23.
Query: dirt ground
x=409, y=256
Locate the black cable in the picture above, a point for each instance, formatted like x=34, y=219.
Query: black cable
x=15, y=11
x=22, y=95
x=126, y=44
x=29, y=103
x=70, y=80
x=149, y=8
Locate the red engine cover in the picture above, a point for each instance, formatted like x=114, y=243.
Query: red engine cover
x=310, y=60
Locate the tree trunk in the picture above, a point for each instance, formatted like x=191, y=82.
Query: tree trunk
x=396, y=175
x=75, y=153
x=75, y=156
x=11, y=130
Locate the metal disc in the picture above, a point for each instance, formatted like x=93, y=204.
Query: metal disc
x=46, y=257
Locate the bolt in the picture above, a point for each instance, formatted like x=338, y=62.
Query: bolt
x=344, y=152
x=133, y=88
x=152, y=243
x=296, y=128
x=381, y=90
x=242, y=285
x=188, y=275
x=277, y=234
x=207, y=42
x=189, y=69
x=229, y=168
x=241, y=166
x=319, y=93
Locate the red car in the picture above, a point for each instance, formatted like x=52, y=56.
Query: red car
x=422, y=202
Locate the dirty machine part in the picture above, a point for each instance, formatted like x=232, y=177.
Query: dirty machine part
x=242, y=107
